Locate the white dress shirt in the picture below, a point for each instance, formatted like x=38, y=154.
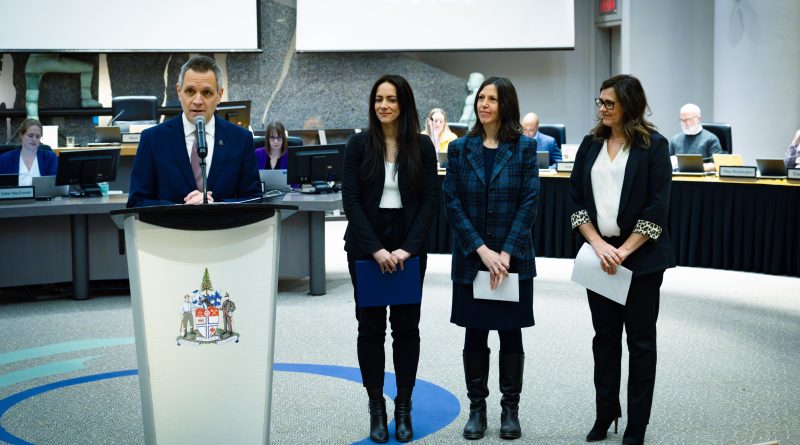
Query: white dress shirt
x=26, y=176
x=391, y=192
x=190, y=136
x=607, y=178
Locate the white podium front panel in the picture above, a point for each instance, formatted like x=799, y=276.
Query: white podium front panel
x=204, y=312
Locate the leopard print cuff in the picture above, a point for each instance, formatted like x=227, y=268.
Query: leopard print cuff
x=580, y=217
x=648, y=229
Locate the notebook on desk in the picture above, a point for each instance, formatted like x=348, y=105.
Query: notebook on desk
x=726, y=160
x=543, y=160
x=771, y=168
x=690, y=164
x=46, y=186
x=274, y=180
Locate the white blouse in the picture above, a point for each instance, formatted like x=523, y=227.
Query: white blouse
x=607, y=178
x=391, y=192
x=26, y=176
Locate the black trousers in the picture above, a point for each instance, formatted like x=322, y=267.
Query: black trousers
x=638, y=317
x=404, y=318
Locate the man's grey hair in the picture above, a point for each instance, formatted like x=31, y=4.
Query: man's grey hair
x=200, y=64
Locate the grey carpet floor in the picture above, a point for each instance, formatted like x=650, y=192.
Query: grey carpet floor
x=728, y=369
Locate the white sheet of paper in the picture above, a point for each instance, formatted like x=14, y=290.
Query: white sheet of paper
x=508, y=290
x=588, y=273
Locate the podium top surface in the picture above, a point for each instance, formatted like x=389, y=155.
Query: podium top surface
x=202, y=217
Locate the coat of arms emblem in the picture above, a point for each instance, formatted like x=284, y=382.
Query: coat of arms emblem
x=206, y=316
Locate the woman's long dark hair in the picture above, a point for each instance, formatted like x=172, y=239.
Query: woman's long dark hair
x=631, y=97
x=508, y=106
x=409, y=159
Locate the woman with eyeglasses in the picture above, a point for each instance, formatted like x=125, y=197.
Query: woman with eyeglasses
x=436, y=127
x=620, y=185
x=491, y=195
x=390, y=194
x=273, y=156
x=30, y=160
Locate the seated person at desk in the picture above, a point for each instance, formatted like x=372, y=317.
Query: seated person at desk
x=166, y=169
x=274, y=155
x=530, y=128
x=792, y=157
x=30, y=160
x=436, y=127
x=693, y=139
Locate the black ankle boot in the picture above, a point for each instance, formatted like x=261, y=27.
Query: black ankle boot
x=378, y=430
x=402, y=415
x=600, y=429
x=476, y=374
x=634, y=434
x=511, y=369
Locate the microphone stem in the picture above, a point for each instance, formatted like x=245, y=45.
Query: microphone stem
x=203, y=169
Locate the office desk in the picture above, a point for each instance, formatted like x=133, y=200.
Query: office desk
x=74, y=239
x=739, y=225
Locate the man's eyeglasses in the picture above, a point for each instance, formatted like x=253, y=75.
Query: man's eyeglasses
x=688, y=119
x=609, y=104
x=275, y=138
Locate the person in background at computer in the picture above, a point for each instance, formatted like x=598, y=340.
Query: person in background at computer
x=436, y=127
x=491, y=194
x=29, y=160
x=166, y=169
x=620, y=185
x=530, y=128
x=792, y=157
x=693, y=139
x=390, y=194
x=273, y=156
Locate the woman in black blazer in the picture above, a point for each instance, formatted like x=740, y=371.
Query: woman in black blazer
x=620, y=202
x=390, y=194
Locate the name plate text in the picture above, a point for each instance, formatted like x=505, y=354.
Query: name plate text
x=564, y=166
x=729, y=171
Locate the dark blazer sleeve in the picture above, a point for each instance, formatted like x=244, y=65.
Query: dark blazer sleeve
x=518, y=241
x=49, y=161
x=465, y=237
x=359, y=227
x=428, y=206
x=578, y=207
x=9, y=162
x=249, y=182
x=654, y=216
x=143, y=188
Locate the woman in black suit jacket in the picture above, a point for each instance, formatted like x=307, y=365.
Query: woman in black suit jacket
x=620, y=202
x=491, y=193
x=390, y=195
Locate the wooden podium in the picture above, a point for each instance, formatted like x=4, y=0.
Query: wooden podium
x=203, y=282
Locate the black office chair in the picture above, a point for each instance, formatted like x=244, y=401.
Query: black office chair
x=458, y=129
x=136, y=110
x=294, y=141
x=555, y=131
x=723, y=133
x=259, y=141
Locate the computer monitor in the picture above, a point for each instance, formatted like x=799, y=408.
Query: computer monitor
x=86, y=168
x=236, y=112
x=315, y=163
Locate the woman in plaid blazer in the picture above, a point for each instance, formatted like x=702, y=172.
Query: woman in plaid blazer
x=491, y=193
x=620, y=204
x=390, y=195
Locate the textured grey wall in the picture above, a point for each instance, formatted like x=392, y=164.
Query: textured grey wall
x=331, y=89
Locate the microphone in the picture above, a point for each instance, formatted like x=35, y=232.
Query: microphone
x=115, y=118
x=202, y=145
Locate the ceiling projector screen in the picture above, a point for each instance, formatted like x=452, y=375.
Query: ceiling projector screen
x=141, y=26
x=434, y=25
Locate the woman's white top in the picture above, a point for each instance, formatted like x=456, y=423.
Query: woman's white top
x=391, y=192
x=26, y=176
x=607, y=178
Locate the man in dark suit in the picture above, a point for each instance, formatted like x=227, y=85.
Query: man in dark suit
x=166, y=168
x=530, y=128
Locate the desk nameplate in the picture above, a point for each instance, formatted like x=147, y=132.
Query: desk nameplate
x=793, y=174
x=564, y=166
x=729, y=171
x=16, y=195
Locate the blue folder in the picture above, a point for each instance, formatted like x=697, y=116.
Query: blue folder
x=381, y=289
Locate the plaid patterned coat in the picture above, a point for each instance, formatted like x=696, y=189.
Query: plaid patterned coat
x=504, y=221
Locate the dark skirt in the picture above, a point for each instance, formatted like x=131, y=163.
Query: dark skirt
x=492, y=315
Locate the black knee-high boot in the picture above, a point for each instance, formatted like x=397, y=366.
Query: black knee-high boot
x=402, y=415
x=378, y=429
x=476, y=374
x=511, y=369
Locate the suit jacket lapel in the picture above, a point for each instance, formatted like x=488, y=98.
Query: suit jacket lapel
x=474, y=155
x=504, y=153
x=591, y=157
x=630, y=175
x=177, y=144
